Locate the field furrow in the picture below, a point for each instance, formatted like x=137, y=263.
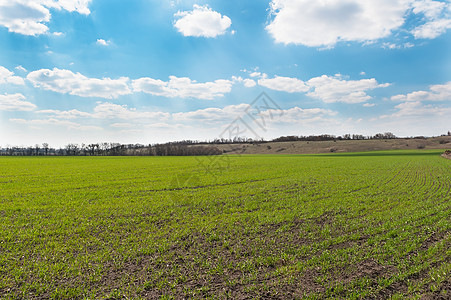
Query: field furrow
x=353, y=225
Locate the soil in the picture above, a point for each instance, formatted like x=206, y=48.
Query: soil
x=187, y=258
x=447, y=155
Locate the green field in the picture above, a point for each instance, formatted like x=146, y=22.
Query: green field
x=350, y=225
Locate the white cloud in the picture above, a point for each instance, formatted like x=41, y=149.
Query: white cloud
x=122, y=125
x=369, y=105
x=429, y=8
x=106, y=110
x=285, y=84
x=249, y=83
x=230, y=113
x=212, y=114
x=79, y=6
x=297, y=114
x=437, y=15
x=6, y=76
x=55, y=122
x=438, y=92
x=326, y=88
x=165, y=126
x=391, y=46
x=202, y=21
x=114, y=111
x=24, y=17
x=102, y=42
x=15, y=102
x=69, y=114
x=28, y=17
x=257, y=74
x=324, y=23
x=336, y=89
x=183, y=87
x=67, y=82
x=246, y=82
x=20, y=68
x=417, y=109
x=432, y=29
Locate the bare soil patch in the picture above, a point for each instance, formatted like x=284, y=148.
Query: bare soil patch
x=447, y=154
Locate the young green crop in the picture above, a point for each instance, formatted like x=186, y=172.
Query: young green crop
x=349, y=225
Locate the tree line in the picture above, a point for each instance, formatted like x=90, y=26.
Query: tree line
x=111, y=149
x=178, y=148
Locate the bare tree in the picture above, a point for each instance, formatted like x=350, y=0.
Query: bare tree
x=37, y=148
x=46, y=148
x=93, y=149
x=72, y=149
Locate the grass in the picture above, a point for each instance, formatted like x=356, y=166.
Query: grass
x=296, y=226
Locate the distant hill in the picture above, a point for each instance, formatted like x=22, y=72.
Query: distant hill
x=312, y=147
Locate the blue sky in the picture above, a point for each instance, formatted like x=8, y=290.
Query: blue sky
x=145, y=71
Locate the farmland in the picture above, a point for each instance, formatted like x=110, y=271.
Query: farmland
x=348, y=225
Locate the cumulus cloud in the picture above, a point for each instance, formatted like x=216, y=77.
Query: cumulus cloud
x=432, y=29
x=417, y=109
x=102, y=42
x=114, y=111
x=132, y=116
x=202, y=21
x=68, y=114
x=324, y=23
x=429, y=8
x=257, y=74
x=212, y=114
x=121, y=118
x=24, y=17
x=247, y=82
x=230, y=113
x=331, y=89
x=67, y=82
x=106, y=110
x=79, y=6
x=297, y=114
x=285, y=84
x=6, y=76
x=391, y=46
x=438, y=92
x=55, y=122
x=369, y=105
x=20, y=68
x=437, y=15
x=15, y=102
x=122, y=125
x=28, y=17
x=326, y=88
x=183, y=87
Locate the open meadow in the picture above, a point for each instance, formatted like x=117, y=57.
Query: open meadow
x=348, y=225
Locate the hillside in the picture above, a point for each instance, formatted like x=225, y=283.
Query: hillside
x=304, y=147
